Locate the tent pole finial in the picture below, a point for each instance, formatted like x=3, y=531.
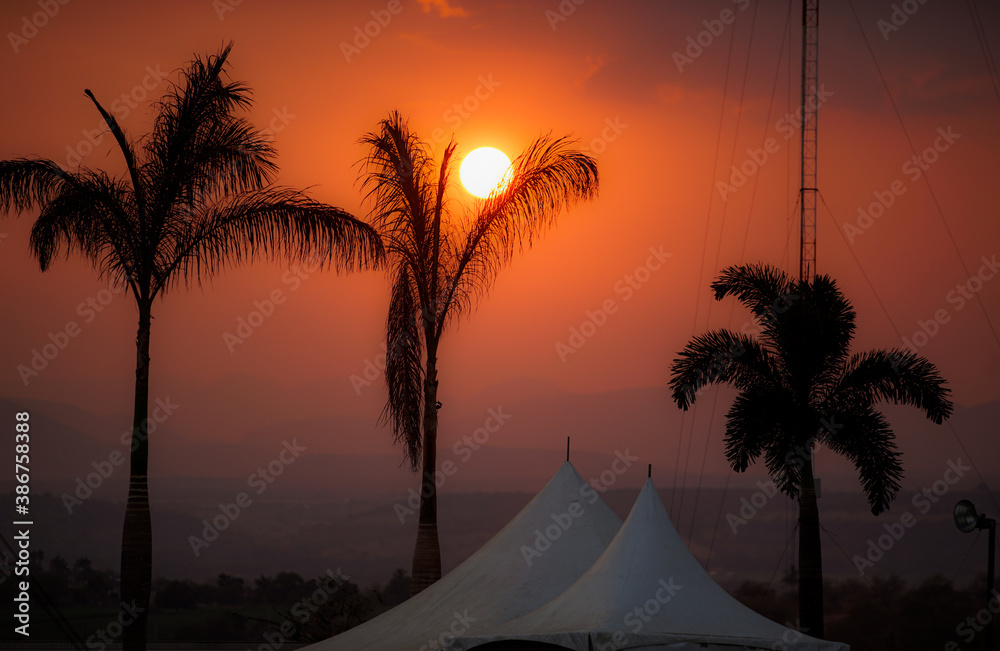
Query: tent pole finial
x=567, y=448
x=649, y=471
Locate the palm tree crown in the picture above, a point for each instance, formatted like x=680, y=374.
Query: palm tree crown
x=799, y=386
x=443, y=255
x=198, y=196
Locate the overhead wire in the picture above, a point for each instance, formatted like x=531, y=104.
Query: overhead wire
x=777, y=566
x=968, y=551
x=790, y=221
x=678, y=513
x=925, y=176
x=836, y=544
x=995, y=79
x=746, y=236
x=940, y=213
x=899, y=334
x=770, y=582
x=984, y=45
x=718, y=254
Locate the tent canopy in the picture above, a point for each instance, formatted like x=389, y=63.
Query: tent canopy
x=646, y=591
x=540, y=553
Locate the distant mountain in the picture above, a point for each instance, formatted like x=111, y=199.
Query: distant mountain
x=228, y=429
x=335, y=503
x=741, y=533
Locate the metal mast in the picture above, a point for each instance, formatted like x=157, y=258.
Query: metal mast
x=810, y=566
x=808, y=191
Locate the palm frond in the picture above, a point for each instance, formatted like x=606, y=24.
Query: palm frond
x=722, y=357
x=834, y=330
x=29, y=182
x=813, y=334
x=128, y=151
x=93, y=214
x=435, y=305
x=897, y=376
x=404, y=370
x=396, y=177
x=269, y=222
x=763, y=289
x=549, y=177
x=864, y=437
x=756, y=417
x=785, y=455
x=200, y=141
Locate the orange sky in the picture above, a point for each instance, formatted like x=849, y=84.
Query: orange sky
x=499, y=74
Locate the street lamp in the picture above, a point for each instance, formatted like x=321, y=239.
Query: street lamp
x=968, y=519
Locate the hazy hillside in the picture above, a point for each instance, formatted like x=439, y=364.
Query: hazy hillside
x=333, y=505
x=364, y=537
x=207, y=434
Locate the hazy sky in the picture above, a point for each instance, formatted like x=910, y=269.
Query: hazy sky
x=667, y=95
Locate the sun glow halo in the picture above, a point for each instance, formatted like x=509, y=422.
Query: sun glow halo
x=484, y=170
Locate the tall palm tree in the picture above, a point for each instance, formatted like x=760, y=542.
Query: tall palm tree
x=198, y=197
x=441, y=262
x=799, y=387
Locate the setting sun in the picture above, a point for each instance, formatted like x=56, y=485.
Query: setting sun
x=328, y=290
x=484, y=170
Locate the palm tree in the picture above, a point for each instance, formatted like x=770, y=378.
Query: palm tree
x=799, y=386
x=198, y=197
x=440, y=264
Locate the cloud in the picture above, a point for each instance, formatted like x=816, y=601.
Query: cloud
x=593, y=65
x=443, y=8
x=671, y=93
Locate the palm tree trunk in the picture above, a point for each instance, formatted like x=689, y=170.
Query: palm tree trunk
x=810, y=556
x=427, y=552
x=137, y=536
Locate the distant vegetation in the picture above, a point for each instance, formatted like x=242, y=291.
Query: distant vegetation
x=228, y=609
x=885, y=612
x=881, y=614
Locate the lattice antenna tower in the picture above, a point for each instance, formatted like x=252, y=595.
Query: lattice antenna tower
x=808, y=191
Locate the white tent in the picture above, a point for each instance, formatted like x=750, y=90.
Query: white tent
x=646, y=592
x=540, y=553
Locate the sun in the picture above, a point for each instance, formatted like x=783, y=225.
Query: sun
x=484, y=170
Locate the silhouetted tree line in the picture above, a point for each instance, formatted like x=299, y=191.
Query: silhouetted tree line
x=226, y=609
x=880, y=614
x=885, y=612
x=62, y=583
x=299, y=610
